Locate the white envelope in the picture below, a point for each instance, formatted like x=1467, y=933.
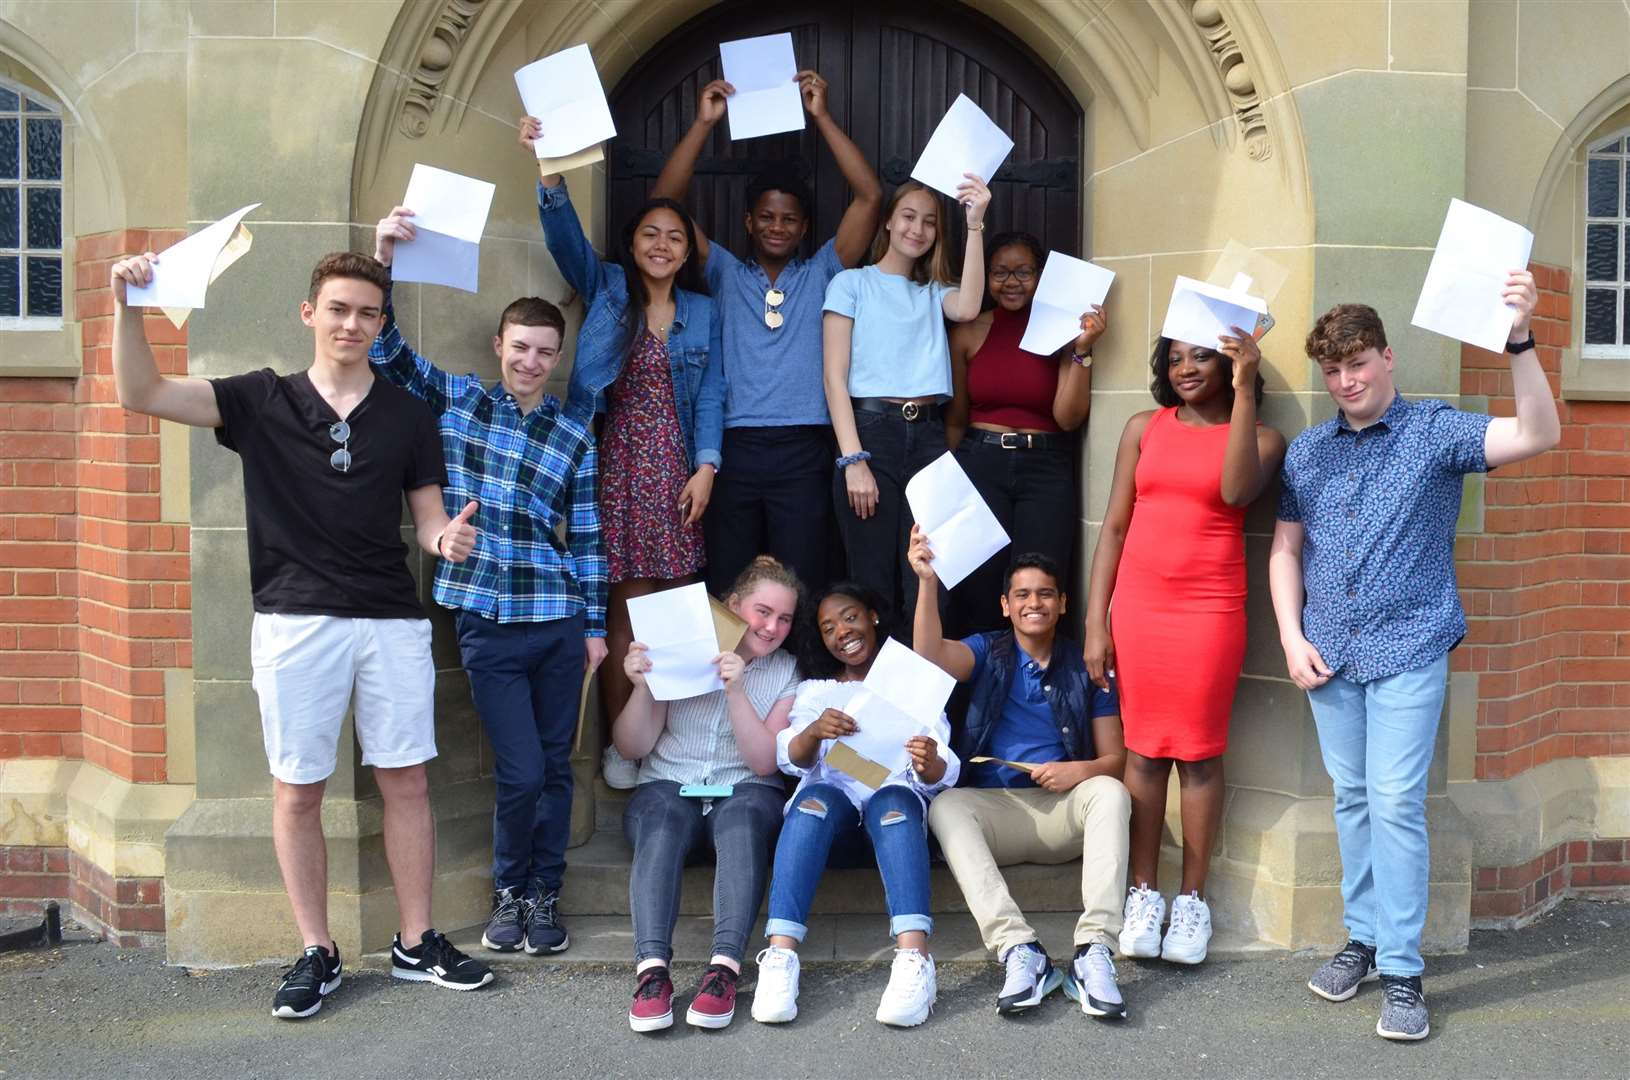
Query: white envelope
x=966, y=141
x=676, y=625
x=565, y=93
x=763, y=71
x=1067, y=289
x=449, y=216
x=962, y=532
x=1461, y=296
x=185, y=270
x=1199, y=312
x=903, y=695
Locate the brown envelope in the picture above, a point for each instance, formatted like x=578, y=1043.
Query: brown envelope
x=727, y=625
x=867, y=771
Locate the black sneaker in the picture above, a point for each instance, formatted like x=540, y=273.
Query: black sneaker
x=1338, y=977
x=506, y=929
x=544, y=934
x=1403, y=1009
x=307, y=981
x=437, y=961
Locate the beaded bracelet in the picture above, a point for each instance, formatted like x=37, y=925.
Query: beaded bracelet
x=851, y=459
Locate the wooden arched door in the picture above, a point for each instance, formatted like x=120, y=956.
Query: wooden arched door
x=894, y=67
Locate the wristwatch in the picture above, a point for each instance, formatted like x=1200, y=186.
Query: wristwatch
x=1083, y=361
x=1517, y=348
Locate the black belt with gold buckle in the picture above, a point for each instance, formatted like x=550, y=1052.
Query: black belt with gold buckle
x=910, y=411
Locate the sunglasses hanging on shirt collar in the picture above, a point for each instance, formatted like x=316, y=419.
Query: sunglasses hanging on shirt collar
x=773, y=299
x=340, y=459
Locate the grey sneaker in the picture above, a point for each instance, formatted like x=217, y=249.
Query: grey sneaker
x=1338, y=978
x=1403, y=1009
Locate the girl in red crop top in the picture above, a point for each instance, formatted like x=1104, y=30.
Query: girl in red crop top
x=1010, y=421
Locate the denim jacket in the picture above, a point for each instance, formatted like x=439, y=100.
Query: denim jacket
x=694, y=343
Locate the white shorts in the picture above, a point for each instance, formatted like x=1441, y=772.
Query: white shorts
x=309, y=668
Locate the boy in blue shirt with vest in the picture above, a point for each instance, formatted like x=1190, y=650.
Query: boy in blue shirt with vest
x=774, y=488
x=1032, y=705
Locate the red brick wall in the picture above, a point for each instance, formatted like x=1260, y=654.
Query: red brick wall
x=1546, y=585
x=130, y=911
x=1593, y=868
x=95, y=594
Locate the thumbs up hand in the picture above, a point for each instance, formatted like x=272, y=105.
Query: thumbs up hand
x=458, y=539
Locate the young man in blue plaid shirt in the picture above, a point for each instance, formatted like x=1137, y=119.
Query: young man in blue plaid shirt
x=531, y=608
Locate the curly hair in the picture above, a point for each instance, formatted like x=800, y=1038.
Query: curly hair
x=1160, y=377
x=814, y=659
x=1345, y=330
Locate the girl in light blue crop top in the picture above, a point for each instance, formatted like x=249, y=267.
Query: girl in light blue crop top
x=888, y=369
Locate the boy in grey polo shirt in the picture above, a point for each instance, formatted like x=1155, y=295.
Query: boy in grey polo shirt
x=773, y=492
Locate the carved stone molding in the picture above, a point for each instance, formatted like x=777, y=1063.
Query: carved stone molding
x=427, y=79
x=1239, y=82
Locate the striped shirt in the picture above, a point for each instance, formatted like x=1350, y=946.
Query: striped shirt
x=529, y=472
x=698, y=745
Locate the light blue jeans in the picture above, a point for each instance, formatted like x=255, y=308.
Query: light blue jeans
x=1377, y=739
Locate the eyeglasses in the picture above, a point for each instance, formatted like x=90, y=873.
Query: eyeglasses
x=340, y=459
x=1024, y=275
x=772, y=305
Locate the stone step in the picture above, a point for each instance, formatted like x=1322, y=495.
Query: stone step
x=597, y=882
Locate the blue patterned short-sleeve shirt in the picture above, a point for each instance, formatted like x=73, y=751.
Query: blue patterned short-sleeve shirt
x=1378, y=507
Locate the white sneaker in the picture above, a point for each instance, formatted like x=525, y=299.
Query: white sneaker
x=912, y=990
x=618, y=771
x=1091, y=981
x=775, y=999
x=1190, y=931
x=1140, y=924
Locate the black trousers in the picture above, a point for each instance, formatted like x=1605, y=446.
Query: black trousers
x=772, y=497
x=876, y=547
x=1033, y=494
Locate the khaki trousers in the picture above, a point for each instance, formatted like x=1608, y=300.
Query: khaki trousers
x=981, y=830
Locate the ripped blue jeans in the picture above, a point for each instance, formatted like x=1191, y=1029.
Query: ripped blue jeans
x=824, y=828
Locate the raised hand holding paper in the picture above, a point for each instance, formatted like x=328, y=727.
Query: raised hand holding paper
x=1200, y=312
x=962, y=532
x=764, y=73
x=1068, y=287
x=184, y=272
x=902, y=696
x=676, y=625
x=1461, y=297
x=966, y=141
x=449, y=215
x=565, y=93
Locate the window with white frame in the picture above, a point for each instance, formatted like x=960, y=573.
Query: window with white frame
x=30, y=207
x=1607, y=249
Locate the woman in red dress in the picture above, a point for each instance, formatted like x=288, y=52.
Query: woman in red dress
x=1171, y=559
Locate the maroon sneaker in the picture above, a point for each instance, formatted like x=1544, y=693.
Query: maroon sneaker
x=653, y=1007
x=714, y=1005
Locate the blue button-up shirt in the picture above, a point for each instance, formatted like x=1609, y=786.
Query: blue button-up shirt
x=528, y=471
x=772, y=377
x=1378, y=507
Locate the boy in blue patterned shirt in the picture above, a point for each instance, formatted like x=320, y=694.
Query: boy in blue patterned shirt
x=531, y=608
x=1363, y=582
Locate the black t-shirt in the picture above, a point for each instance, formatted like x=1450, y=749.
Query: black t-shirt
x=323, y=542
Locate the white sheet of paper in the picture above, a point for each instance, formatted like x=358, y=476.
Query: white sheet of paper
x=1461, y=296
x=449, y=215
x=962, y=531
x=966, y=141
x=1266, y=275
x=764, y=72
x=1200, y=311
x=1067, y=289
x=183, y=272
x=564, y=92
x=677, y=626
x=903, y=695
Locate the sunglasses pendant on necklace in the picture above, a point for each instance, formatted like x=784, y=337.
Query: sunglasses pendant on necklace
x=340, y=459
x=773, y=299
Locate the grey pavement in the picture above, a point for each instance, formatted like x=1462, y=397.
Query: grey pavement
x=1550, y=1000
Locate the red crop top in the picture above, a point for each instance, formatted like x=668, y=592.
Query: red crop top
x=1007, y=386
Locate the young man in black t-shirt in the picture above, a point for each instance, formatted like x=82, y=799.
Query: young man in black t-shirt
x=327, y=454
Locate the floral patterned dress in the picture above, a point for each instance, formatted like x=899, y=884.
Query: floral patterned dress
x=643, y=470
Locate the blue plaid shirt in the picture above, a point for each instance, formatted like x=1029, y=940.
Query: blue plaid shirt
x=527, y=471
x=1378, y=510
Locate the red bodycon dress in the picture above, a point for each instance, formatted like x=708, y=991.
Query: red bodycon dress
x=1177, y=614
